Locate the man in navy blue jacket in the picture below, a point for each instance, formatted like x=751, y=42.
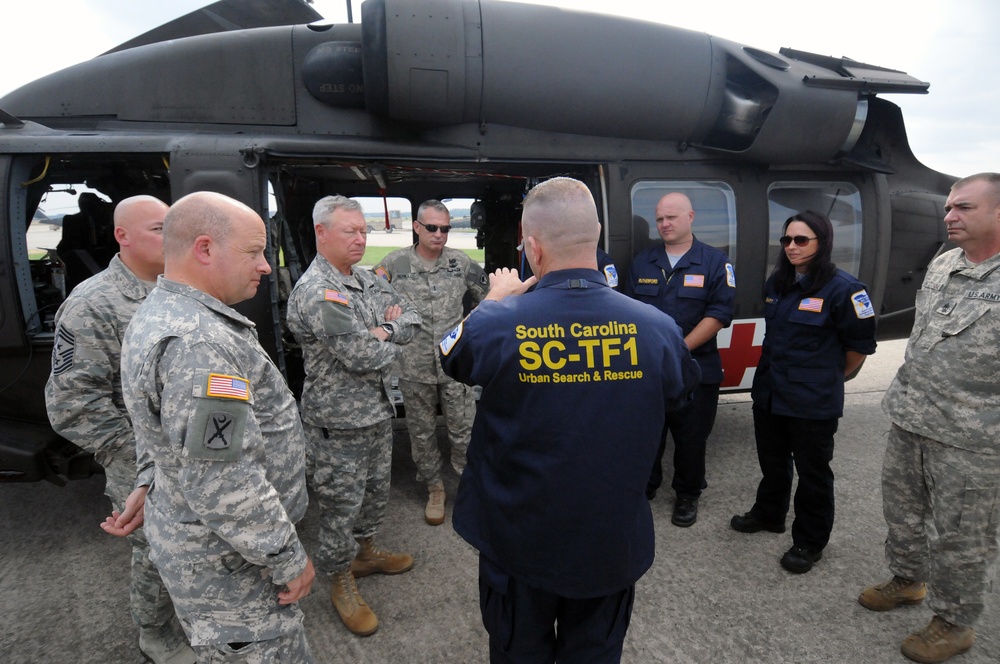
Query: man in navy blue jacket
x=695, y=284
x=576, y=379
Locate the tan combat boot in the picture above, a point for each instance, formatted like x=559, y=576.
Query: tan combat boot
x=373, y=560
x=887, y=596
x=166, y=644
x=353, y=610
x=434, y=512
x=937, y=642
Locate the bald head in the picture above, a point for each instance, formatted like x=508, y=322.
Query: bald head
x=561, y=217
x=215, y=244
x=139, y=232
x=674, y=216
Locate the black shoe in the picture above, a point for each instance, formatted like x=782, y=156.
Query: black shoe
x=685, y=512
x=650, y=493
x=748, y=523
x=799, y=559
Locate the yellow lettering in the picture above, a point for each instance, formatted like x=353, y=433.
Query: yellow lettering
x=530, y=359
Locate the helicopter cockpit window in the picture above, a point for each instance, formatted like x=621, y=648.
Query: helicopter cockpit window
x=840, y=201
x=714, y=205
x=70, y=238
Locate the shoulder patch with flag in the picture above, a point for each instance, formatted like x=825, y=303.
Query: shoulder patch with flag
x=862, y=304
x=380, y=271
x=811, y=304
x=694, y=280
x=227, y=387
x=335, y=296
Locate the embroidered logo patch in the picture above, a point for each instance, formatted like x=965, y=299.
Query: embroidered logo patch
x=730, y=275
x=694, y=280
x=335, y=296
x=611, y=274
x=227, y=387
x=811, y=304
x=62, y=351
x=862, y=304
x=218, y=433
x=451, y=339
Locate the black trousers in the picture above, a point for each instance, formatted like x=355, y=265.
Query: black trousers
x=531, y=626
x=691, y=427
x=808, y=444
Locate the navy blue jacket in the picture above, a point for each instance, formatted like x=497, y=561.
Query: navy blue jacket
x=701, y=285
x=576, y=381
x=801, y=368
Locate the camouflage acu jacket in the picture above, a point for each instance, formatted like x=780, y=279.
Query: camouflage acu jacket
x=436, y=291
x=83, y=395
x=348, y=369
x=216, y=420
x=947, y=388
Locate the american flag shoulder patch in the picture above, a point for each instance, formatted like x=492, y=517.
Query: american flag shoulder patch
x=227, y=387
x=811, y=304
x=335, y=296
x=380, y=271
x=694, y=280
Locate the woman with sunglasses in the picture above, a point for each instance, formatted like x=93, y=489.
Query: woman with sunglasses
x=820, y=325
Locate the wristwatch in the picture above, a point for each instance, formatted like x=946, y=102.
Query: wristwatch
x=388, y=330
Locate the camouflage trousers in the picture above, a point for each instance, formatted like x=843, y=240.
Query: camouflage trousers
x=458, y=406
x=942, y=508
x=151, y=605
x=291, y=648
x=351, y=483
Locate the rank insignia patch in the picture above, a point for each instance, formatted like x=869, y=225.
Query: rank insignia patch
x=62, y=351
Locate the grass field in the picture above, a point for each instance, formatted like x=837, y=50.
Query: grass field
x=373, y=255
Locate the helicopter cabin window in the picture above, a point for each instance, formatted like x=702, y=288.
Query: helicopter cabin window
x=839, y=201
x=62, y=223
x=714, y=205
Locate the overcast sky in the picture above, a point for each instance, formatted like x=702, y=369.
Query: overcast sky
x=953, y=45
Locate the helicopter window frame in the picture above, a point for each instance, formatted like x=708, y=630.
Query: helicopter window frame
x=714, y=203
x=839, y=200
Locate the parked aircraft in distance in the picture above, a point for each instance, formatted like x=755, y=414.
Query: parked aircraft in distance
x=471, y=99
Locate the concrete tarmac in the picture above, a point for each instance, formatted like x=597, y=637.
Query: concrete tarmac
x=712, y=595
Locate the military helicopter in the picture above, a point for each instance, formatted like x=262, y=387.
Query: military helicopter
x=473, y=99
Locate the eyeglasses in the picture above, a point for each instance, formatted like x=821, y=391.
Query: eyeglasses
x=434, y=228
x=799, y=240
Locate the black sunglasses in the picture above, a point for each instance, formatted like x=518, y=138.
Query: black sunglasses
x=434, y=228
x=799, y=240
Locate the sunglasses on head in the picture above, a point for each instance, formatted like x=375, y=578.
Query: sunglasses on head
x=434, y=228
x=799, y=240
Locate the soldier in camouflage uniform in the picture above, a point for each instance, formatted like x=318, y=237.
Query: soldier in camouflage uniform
x=435, y=279
x=84, y=399
x=942, y=461
x=220, y=444
x=350, y=324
